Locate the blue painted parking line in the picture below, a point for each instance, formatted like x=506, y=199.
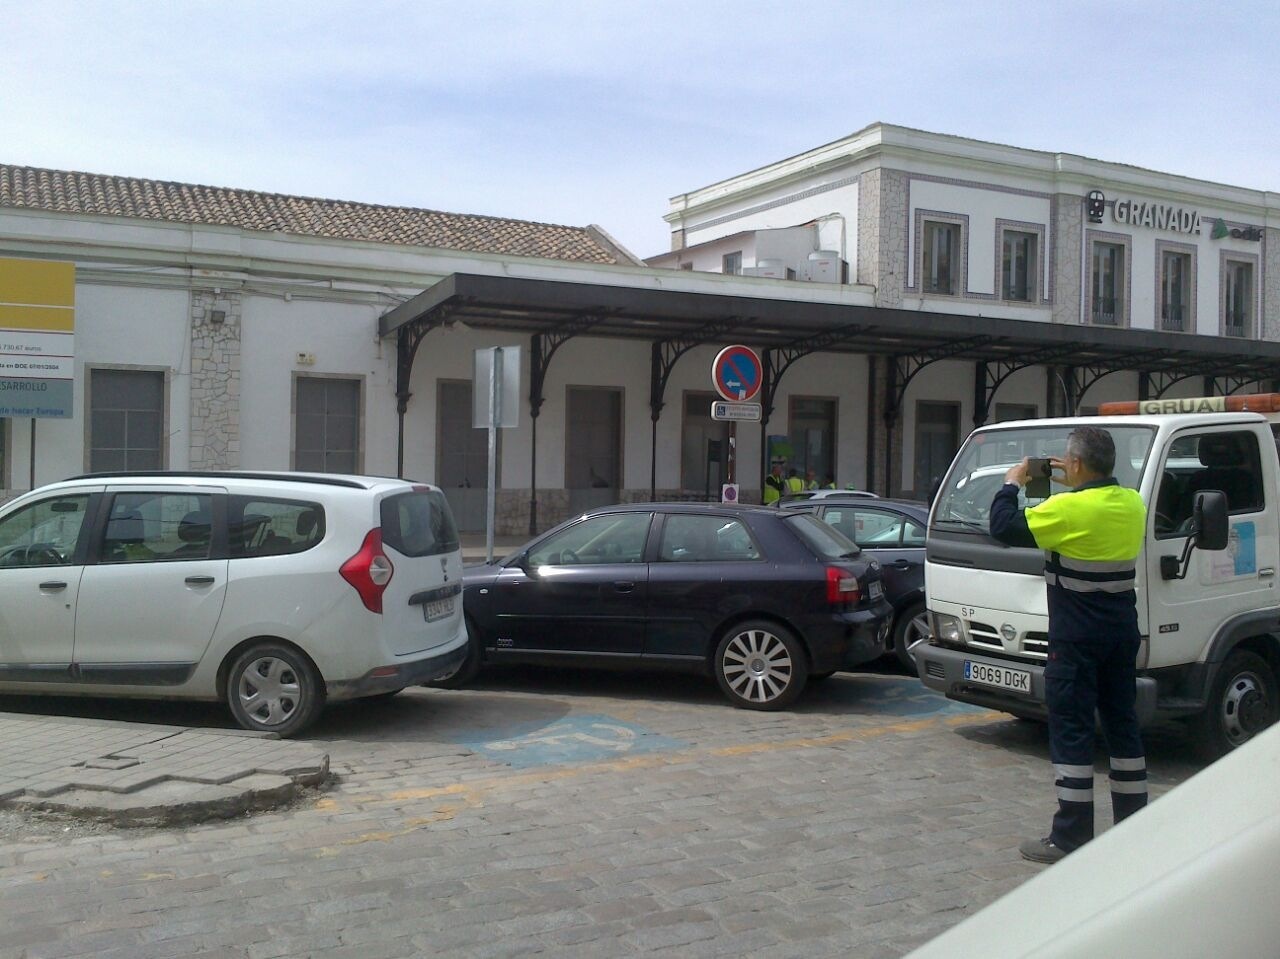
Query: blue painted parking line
x=574, y=739
x=894, y=696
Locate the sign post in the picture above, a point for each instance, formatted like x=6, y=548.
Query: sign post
x=736, y=374
x=496, y=392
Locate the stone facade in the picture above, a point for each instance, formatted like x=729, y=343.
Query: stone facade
x=1271, y=285
x=215, y=380
x=1068, y=234
x=882, y=234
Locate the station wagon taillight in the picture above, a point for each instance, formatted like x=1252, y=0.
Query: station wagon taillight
x=369, y=571
x=842, y=586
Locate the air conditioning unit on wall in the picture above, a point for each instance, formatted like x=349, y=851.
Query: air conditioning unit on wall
x=776, y=269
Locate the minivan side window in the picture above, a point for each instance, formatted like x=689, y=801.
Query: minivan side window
x=157, y=527
x=44, y=533
x=418, y=523
x=261, y=526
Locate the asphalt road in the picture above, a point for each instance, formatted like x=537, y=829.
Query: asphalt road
x=573, y=812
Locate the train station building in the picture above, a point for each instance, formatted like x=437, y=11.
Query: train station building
x=900, y=287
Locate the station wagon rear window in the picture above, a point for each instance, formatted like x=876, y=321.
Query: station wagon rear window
x=418, y=523
x=827, y=542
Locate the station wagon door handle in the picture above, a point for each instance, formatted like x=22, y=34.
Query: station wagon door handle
x=903, y=563
x=199, y=580
x=52, y=586
x=622, y=586
x=1266, y=572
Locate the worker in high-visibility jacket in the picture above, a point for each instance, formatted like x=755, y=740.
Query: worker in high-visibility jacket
x=774, y=484
x=1092, y=536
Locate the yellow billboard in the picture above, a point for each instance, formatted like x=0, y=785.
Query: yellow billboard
x=37, y=338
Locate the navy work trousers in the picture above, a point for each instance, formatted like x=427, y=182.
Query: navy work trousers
x=1081, y=677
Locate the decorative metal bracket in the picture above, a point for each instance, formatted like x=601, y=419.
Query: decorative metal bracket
x=664, y=355
x=543, y=346
x=778, y=359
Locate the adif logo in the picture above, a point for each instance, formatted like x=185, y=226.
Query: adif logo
x=1221, y=231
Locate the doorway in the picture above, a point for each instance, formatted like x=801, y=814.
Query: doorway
x=462, y=456
x=593, y=440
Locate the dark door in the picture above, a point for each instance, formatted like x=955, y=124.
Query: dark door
x=937, y=439
x=593, y=465
x=463, y=457
x=581, y=590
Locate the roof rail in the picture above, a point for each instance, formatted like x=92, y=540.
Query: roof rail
x=315, y=478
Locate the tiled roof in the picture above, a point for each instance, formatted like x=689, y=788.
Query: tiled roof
x=63, y=191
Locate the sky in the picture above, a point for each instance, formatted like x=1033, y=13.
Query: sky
x=567, y=111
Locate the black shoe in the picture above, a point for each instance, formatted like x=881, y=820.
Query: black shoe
x=1041, y=850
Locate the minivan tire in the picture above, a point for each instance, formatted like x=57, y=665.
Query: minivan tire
x=275, y=689
x=760, y=665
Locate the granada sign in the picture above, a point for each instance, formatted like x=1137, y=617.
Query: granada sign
x=1158, y=216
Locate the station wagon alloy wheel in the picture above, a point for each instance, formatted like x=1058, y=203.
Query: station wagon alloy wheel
x=760, y=666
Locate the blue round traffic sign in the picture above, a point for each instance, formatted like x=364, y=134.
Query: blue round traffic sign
x=736, y=373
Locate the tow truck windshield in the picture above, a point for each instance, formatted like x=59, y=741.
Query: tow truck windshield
x=964, y=500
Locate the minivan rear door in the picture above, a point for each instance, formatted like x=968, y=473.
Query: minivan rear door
x=422, y=604
x=152, y=593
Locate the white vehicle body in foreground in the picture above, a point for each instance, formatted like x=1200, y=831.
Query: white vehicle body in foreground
x=1190, y=876
x=1211, y=640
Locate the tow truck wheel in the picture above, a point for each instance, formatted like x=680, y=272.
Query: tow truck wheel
x=1242, y=703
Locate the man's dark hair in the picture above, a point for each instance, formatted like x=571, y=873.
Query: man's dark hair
x=1095, y=447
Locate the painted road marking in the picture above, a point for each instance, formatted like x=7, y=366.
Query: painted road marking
x=574, y=739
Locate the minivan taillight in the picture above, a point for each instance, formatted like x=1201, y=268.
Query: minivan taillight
x=369, y=571
x=842, y=586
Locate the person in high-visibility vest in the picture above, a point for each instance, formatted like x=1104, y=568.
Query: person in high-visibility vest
x=810, y=479
x=1092, y=536
x=773, y=485
x=794, y=483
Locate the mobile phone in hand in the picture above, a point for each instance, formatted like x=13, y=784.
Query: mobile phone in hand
x=1040, y=470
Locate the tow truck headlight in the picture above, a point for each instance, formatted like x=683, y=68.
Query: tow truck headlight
x=948, y=629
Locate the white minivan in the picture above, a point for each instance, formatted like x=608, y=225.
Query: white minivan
x=273, y=592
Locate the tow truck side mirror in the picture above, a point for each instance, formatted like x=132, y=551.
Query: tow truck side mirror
x=1210, y=529
x=1209, y=519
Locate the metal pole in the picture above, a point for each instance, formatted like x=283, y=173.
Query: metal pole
x=495, y=411
x=33, y=453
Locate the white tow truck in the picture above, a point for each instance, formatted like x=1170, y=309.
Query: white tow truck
x=1208, y=603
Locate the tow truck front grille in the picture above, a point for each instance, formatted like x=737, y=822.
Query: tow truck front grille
x=986, y=636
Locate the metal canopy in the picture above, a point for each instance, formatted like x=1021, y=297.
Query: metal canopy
x=674, y=320
x=535, y=306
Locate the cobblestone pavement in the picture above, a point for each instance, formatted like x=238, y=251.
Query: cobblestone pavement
x=570, y=814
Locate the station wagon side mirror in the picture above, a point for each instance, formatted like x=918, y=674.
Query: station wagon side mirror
x=1210, y=529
